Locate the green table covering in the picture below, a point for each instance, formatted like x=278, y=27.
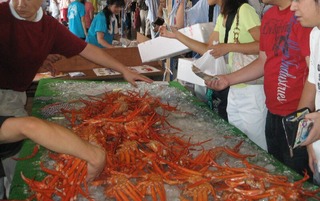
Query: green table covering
x=46, y=95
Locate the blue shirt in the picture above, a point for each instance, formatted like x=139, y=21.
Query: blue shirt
x=76, y=10
x=99, y=24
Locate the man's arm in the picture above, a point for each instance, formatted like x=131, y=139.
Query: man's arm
x=248, y=73
x=308, y=96
x=54, y=137
x=99, y=56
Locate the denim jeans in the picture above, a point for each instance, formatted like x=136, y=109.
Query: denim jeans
x=278, y=146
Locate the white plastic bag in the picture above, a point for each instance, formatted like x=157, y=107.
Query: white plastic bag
x=210, y=65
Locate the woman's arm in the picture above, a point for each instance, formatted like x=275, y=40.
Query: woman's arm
x=194, y=45
x=54, y=137
x=180, y=15
x=101, y=41
x=245, y=48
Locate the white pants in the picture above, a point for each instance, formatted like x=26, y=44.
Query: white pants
x=247, y=111
x=12, y=103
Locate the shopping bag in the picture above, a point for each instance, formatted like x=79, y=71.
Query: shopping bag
x=211, y=66
x=240, y=60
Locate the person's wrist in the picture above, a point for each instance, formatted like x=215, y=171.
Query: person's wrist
x=99, y=157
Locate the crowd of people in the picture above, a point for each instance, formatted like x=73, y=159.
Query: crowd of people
x=21, y=57
x=286, y=46
x=116, y=19
x=281, y=43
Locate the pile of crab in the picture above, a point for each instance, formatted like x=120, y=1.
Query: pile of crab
x=146, y=156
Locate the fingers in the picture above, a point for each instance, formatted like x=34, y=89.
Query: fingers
x=314, y=134
x=310, y=139
x=167, y=31
x=141, y=78
x=217, y=83
x=145, y=78
x=131, y=77
x=313, y=115
x=162, y=30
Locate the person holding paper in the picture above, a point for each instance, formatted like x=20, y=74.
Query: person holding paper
x=244, y=106
x=308, y=14
x=104, y=26
x=283, y=61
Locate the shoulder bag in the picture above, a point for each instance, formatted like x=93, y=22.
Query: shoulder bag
x=239, y=60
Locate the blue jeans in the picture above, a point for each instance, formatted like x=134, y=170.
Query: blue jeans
x=278, y=146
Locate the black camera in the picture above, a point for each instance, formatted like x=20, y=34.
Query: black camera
x=159, y=21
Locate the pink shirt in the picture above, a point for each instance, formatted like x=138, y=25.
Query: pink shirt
x=89, y=9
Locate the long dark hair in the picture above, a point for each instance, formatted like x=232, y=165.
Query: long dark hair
x=107, y=12
x=231, y=6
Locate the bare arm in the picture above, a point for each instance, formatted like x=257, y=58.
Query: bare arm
x=245, y=48
x=194, y=45
x=101, y=41
x=180, y=15
x=99, y=56
x=250, y=72
x=308, y=96
x=55, y=138
x=91, y=13
x=160, y=9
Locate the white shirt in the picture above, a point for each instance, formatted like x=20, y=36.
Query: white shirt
x=314, y=77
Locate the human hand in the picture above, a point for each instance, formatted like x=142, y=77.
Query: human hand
x=219, y=50
x=96, y=166
x=131, y=77
x=314, y=133
x=48, y=64
x=218, y=83
x=164, y=32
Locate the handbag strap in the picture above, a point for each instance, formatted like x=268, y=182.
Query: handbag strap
x=236, y=30
x=229, y=21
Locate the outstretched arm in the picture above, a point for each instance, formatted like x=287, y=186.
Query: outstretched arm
x=194, y=45
x=54, y=137
x=250, y=72
x=99, y=56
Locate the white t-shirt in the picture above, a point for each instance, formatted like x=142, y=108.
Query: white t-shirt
x=314, y=68
x=314, y=77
